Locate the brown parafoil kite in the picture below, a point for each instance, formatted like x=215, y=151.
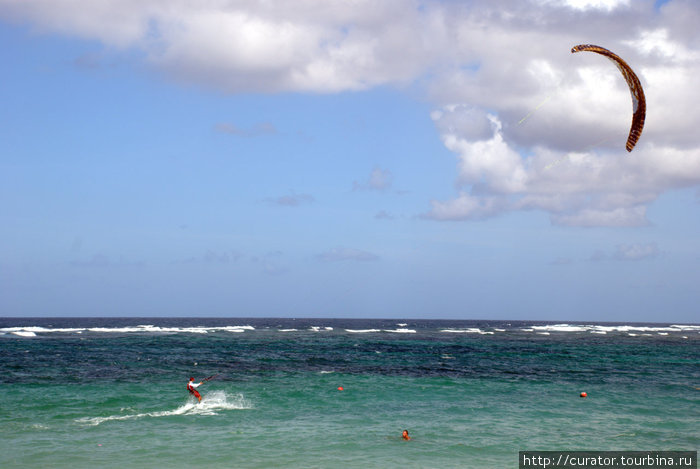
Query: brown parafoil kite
x=638, y=101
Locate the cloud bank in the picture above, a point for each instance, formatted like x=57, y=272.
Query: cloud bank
x=531, y=126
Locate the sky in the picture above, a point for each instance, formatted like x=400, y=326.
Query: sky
x=323, y=158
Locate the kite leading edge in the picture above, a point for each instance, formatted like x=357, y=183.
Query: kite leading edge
x=638, y=101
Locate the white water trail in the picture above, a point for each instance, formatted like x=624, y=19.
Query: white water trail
x=211, y=404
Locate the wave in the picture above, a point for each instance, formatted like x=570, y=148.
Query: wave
x=211, y=404
x=370, y=327
x=601, y=329
x=32, y=331
x=467, y=330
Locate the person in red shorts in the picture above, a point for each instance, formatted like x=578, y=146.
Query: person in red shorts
x=191, y=385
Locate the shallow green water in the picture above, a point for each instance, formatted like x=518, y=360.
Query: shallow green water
x=117, y=398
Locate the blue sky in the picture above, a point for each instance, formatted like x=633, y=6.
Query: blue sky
x=325, y=162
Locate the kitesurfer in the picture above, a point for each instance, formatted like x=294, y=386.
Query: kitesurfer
x=191, y=385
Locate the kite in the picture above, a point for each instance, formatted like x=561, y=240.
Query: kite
x=639, y=103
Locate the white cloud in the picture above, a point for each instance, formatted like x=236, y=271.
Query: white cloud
x=587, y=4
x=532, y=126
x=635, y=252
x=379, y=180
x=305, y=45
x=559, y=122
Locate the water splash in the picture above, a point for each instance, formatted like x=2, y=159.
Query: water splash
x=212, y=403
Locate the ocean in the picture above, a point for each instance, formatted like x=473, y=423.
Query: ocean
x=337, y=393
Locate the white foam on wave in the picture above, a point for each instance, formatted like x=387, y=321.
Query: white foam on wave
x=600, y=329
x=211, y=404
x=362, y=331
x=401, y=330
x=558, y=328
x=686, y=327
x=32, y=331
x=288, y=330
x=38, y=329
x=467, y=330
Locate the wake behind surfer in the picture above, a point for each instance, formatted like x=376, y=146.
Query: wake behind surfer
x=191, y=387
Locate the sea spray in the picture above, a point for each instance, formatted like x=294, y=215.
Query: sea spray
x=212, y=403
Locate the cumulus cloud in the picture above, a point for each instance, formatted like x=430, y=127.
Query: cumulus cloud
x=558, y=123
x=532, y=126
x=607, y=5
x=379, y=180
x=305, y=45
x=635, y=252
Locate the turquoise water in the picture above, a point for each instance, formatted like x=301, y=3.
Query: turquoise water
x=111, y=392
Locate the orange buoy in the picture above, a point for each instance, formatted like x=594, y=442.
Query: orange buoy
x=340, y=388
x=583, y=394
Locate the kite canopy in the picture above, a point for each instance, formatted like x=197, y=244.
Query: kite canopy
x=639, y=103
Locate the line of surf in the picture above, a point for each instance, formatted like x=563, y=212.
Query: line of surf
x=601, y=329
x=468, y=330
x=34, y=331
